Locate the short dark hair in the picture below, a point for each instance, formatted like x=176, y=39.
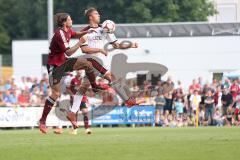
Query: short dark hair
x=88, y=12
x=59, y=18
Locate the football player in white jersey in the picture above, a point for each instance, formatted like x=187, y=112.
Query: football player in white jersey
x=93, y=47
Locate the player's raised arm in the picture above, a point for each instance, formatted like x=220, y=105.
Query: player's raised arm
x=80, y=34
x=114, y=42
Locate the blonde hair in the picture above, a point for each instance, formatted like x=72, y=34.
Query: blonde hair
x=88, y=12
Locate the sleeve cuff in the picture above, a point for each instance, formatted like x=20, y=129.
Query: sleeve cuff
x=113, y=42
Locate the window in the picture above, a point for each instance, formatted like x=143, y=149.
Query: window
x=218, y=76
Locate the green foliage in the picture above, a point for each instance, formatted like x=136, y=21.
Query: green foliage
x=24, y=19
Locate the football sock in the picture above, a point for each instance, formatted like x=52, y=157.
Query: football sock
x=120, y=91
x=85, y=119
x=47, y=108
x=77, y=98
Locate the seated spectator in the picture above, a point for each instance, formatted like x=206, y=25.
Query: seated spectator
x=8, y=85
x=172, y=121
x=2, y=103
x=185, y=120
x=109, y=100
x=217, y=118
x=134, y=87
x=23, y=99
x=161, y=120
x=22, y=83
x=10, y=99
x=29, y=83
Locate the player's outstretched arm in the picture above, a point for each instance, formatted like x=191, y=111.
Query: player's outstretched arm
x=117, y=45
x=89, y=50
x=80, y=34
x=73, y=49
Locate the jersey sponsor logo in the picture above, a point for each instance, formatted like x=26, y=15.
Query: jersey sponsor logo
x=97, y=38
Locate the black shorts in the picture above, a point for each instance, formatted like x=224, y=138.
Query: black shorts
x=57, y=72
x=229, y=119
x=168, y=108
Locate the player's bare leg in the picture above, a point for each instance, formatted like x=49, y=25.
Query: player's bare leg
x=129, y=101
x=84, y=110
x=79, y=64
x=82, y=63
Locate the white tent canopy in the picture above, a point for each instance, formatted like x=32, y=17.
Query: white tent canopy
x=186, y=29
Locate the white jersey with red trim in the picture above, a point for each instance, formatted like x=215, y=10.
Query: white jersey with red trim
x=98, y=39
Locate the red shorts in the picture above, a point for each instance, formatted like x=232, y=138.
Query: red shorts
x=237, y=112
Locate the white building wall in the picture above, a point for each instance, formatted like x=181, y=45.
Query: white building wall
x=186, y=57
x=228, y=11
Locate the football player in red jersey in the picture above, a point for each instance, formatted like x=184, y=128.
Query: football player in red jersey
x=58, y=64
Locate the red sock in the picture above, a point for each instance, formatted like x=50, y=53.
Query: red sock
x=85, y=119
x=47, y=108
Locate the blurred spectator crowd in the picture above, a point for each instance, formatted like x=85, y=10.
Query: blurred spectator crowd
x=28, y=92
x=199, y=104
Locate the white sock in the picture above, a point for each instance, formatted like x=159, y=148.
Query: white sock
x=120, y=91
x=77, y=99
x=60, y=124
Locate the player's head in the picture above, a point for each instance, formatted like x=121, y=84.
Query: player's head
x=63, y=20
x=92, y=15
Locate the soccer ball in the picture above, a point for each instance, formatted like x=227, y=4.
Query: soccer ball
x=108, y=26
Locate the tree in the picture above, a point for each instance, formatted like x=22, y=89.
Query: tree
x=24, y=19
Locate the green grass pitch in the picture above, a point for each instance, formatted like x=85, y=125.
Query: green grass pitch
x=148, y=143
